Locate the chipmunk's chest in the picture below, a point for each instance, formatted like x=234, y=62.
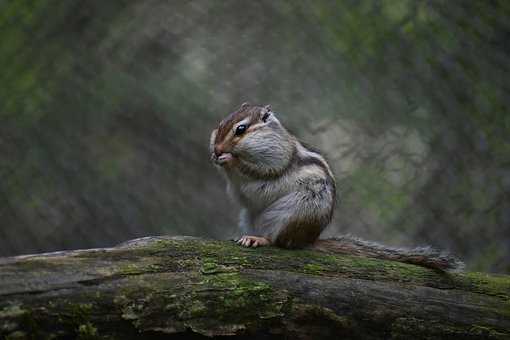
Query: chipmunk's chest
x=256, y=194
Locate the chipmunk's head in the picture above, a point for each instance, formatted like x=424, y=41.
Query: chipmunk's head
x=253, y=140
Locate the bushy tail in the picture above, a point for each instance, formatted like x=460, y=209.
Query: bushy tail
x=422, y=256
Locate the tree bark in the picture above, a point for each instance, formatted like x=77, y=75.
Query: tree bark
x=193, y=288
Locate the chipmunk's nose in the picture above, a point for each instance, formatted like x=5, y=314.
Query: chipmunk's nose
x=221, y=156
x=218, y=150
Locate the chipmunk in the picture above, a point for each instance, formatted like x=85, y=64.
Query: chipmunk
x=287, y=190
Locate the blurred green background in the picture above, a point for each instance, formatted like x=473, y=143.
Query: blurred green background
x=106, y=109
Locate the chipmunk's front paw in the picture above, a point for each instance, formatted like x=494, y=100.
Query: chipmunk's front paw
x=253, y=241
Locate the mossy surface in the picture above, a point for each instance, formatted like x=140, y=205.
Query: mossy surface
x=496, y=285
x=219, y=256
x=174, y=286
x=405, y=328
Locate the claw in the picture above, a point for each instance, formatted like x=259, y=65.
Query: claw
x=253, y=241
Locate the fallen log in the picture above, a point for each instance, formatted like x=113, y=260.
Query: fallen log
x=192, y=288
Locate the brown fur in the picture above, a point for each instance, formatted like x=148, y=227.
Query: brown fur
x=299, y=234
x=227, y=124
x=288, y=192
x=421, y=256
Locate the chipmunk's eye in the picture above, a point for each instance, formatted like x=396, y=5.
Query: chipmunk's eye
x=240, y=129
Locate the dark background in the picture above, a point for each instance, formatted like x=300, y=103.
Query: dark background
x=106, y=109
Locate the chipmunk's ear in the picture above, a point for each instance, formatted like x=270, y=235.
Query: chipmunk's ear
x=244, y=105
x=266, y=112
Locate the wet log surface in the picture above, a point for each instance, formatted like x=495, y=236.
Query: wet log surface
x=162, y=287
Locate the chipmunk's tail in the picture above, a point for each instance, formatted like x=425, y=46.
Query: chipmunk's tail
x=422, y=256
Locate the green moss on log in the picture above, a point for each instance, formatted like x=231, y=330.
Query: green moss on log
x=174, y=286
